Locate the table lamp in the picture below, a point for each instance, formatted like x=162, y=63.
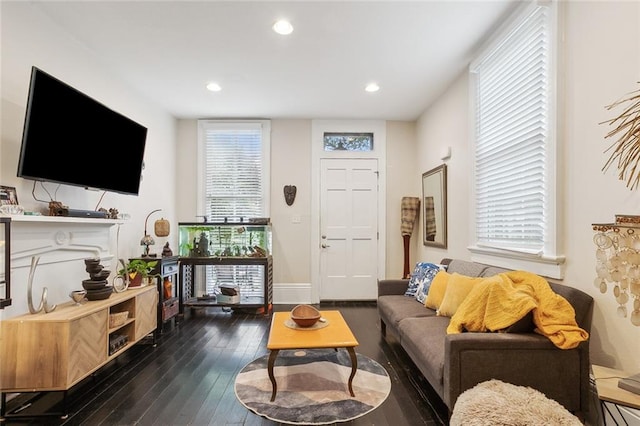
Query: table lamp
x=147, y=240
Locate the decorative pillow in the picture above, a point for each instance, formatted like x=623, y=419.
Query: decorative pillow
x=423, y=272
x=457, y=290
x=437, y=289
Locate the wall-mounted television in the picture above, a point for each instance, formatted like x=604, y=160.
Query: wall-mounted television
x=71, y=138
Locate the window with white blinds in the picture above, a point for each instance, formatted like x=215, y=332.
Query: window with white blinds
x=514, y=136
x=236, y=169
x=233, y=182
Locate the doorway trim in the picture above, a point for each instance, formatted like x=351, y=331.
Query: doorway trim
x=318, y=128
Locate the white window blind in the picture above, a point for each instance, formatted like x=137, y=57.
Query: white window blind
x=235, y=171
x=234, y=184
x=512, y=129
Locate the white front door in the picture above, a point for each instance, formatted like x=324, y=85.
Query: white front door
x=349, y=229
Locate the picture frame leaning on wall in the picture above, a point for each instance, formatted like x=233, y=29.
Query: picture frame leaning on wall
x=8, y=196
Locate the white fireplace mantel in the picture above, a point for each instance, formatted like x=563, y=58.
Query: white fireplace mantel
x=59, y=239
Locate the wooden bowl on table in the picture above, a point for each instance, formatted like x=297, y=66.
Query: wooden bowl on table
x=305, y=315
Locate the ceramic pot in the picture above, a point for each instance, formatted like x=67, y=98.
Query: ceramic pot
x=136, y=281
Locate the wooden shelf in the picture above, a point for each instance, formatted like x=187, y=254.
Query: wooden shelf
x=245, y=302
x=63, y=219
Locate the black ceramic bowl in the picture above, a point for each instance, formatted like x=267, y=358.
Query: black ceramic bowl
x=99, y=294
x=94, y=269
x=92, y=285
x=102, y=275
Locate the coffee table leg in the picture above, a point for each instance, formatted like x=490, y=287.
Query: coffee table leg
x=272, y=360
x=354, y=368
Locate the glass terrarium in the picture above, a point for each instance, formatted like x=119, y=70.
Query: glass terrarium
x=250, y=238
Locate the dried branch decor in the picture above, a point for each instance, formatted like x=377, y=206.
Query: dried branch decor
x=627, y=149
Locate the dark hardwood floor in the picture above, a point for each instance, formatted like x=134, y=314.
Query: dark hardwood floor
x=187, y=378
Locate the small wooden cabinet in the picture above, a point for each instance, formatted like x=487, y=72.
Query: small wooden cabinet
x=54, y=351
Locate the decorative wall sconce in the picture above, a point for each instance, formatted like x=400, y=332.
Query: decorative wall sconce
x=618, y=262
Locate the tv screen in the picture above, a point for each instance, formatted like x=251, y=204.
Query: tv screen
x=73, y=139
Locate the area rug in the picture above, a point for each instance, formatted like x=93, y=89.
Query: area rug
x=312, y=387
x=498, y=403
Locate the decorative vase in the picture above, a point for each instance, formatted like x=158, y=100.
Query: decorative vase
x=168, y=288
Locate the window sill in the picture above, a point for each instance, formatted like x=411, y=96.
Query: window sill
x=546, y=266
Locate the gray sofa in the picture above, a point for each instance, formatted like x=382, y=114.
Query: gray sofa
x=453, y=363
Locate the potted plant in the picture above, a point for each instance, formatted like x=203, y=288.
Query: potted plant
x=138, y=271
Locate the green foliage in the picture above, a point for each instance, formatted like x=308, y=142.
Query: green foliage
x=139, y=266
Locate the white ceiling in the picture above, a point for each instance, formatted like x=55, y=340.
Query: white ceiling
x=169, y=50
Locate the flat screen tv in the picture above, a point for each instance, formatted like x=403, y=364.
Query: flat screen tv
x=71, y=138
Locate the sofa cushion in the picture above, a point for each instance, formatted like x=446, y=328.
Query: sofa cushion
x=493, y=270
x=424, y=340
x=395, y=308
x=465, y=267
x=421, y=278
x=457, y=290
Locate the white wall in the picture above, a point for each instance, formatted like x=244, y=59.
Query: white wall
x=290, y=165
x=444, y=125
x=602, y=63
x=612, y=30
x=29, y=38
x=404, y=179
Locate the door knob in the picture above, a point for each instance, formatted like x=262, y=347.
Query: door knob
x=325, y=246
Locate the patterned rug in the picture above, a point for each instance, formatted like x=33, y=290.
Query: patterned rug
x=312, y=387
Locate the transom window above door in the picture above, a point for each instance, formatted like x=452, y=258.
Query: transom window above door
x=348, y=141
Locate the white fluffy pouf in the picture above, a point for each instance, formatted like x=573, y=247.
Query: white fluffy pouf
x=495, y=402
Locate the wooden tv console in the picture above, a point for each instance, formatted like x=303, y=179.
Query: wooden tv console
x=54, y=351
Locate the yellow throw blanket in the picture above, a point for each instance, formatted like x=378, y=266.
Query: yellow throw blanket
x=500, y=301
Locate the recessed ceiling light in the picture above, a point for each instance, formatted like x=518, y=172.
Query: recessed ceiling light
x=283, y=27
x=214, y=87
x=372, y=87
